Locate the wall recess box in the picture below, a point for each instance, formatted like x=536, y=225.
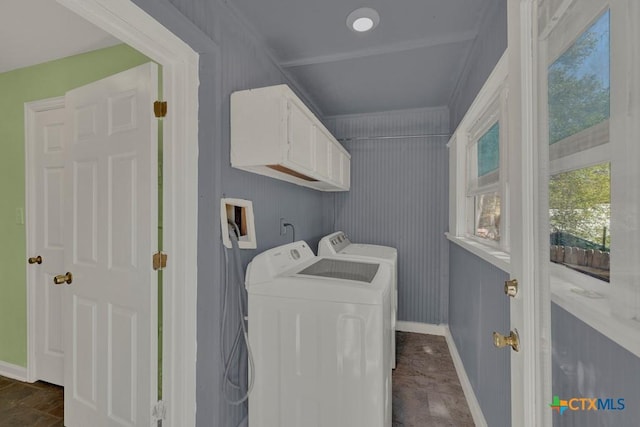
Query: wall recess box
x=240, y=213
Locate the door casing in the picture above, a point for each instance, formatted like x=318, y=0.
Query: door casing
x=529, y=309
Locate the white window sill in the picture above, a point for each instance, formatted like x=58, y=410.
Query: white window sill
x=490, y=254
x=596, y=312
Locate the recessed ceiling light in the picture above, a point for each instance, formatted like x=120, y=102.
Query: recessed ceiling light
x=363, y=19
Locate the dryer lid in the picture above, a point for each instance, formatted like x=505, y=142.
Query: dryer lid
x=372, y=251
x=341, y=269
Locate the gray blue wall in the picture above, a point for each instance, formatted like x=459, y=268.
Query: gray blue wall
x=477, y=307
x=231, y=59
x=398, y=198
x=588, y=364
x=477, y=304
x=486, y=50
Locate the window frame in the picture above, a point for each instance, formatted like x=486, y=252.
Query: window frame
x=489, y=107
x=582, y=159
x=608, y=307
x=494, y=113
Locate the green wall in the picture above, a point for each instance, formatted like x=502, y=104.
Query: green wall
x=42, y=81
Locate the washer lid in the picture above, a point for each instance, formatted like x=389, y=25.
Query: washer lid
x=339, y=269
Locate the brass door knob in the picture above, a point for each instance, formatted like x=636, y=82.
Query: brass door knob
x=512, y=340
x=511, y=287
x=35, y=260
x=63, y=278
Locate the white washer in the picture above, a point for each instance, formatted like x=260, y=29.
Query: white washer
x=337, y=244
x=319, y=332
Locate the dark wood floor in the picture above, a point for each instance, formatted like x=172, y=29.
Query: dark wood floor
x=39, y=404
x=426, y=388
x=426, y=391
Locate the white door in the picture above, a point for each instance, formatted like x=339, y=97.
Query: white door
x=110, y=234
x=48, y=149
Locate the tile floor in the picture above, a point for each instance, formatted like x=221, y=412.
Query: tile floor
x=426, y=391
x=39, y=404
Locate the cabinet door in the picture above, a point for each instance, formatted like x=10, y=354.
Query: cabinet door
x=323, y=153
x=336, y=165
x=346, y=172
x=300, y=131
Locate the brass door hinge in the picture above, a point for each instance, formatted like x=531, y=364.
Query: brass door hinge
x=160, y=109
x=159, y=261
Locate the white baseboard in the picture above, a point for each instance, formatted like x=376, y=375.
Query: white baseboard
x=15, y=372
x=472, y=401
x=421, y=328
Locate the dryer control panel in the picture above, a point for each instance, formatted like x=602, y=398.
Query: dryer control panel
x=333, y=243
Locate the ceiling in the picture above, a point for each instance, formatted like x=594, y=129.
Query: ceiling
x=28, y=38
x=412, y=59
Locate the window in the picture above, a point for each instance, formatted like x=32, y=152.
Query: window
x=580, y=219
x=478, y=184
x=579, y=153
x=593, y=112
x=484, y=182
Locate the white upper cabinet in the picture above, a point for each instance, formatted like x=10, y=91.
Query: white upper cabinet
x=274, y=134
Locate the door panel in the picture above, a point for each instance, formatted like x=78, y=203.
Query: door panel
x=302, y=151
x=323, y=153
x=48, y=229
x=336, y=165
x=111, y=326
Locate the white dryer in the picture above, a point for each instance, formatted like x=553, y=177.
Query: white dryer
x=337, y=244
x=319, y=332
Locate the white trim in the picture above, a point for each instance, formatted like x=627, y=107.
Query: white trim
x=30, y=111
x=561, y=273
x=492, y=255
x=126, y=21
x=404, y=46
x=597, y=313
x=15, y=372
x=583, y=159
x=553, y=18
x=529, y=309
x=467, y=388
x=421, y=328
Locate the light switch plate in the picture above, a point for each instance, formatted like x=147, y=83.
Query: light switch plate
x=19, y=216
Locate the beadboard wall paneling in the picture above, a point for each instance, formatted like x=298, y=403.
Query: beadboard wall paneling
x=398, y=197
x=477, y=307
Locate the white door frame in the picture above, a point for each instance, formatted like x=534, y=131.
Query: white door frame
x=127, y=22
x=530, y=368
x=30, y=111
